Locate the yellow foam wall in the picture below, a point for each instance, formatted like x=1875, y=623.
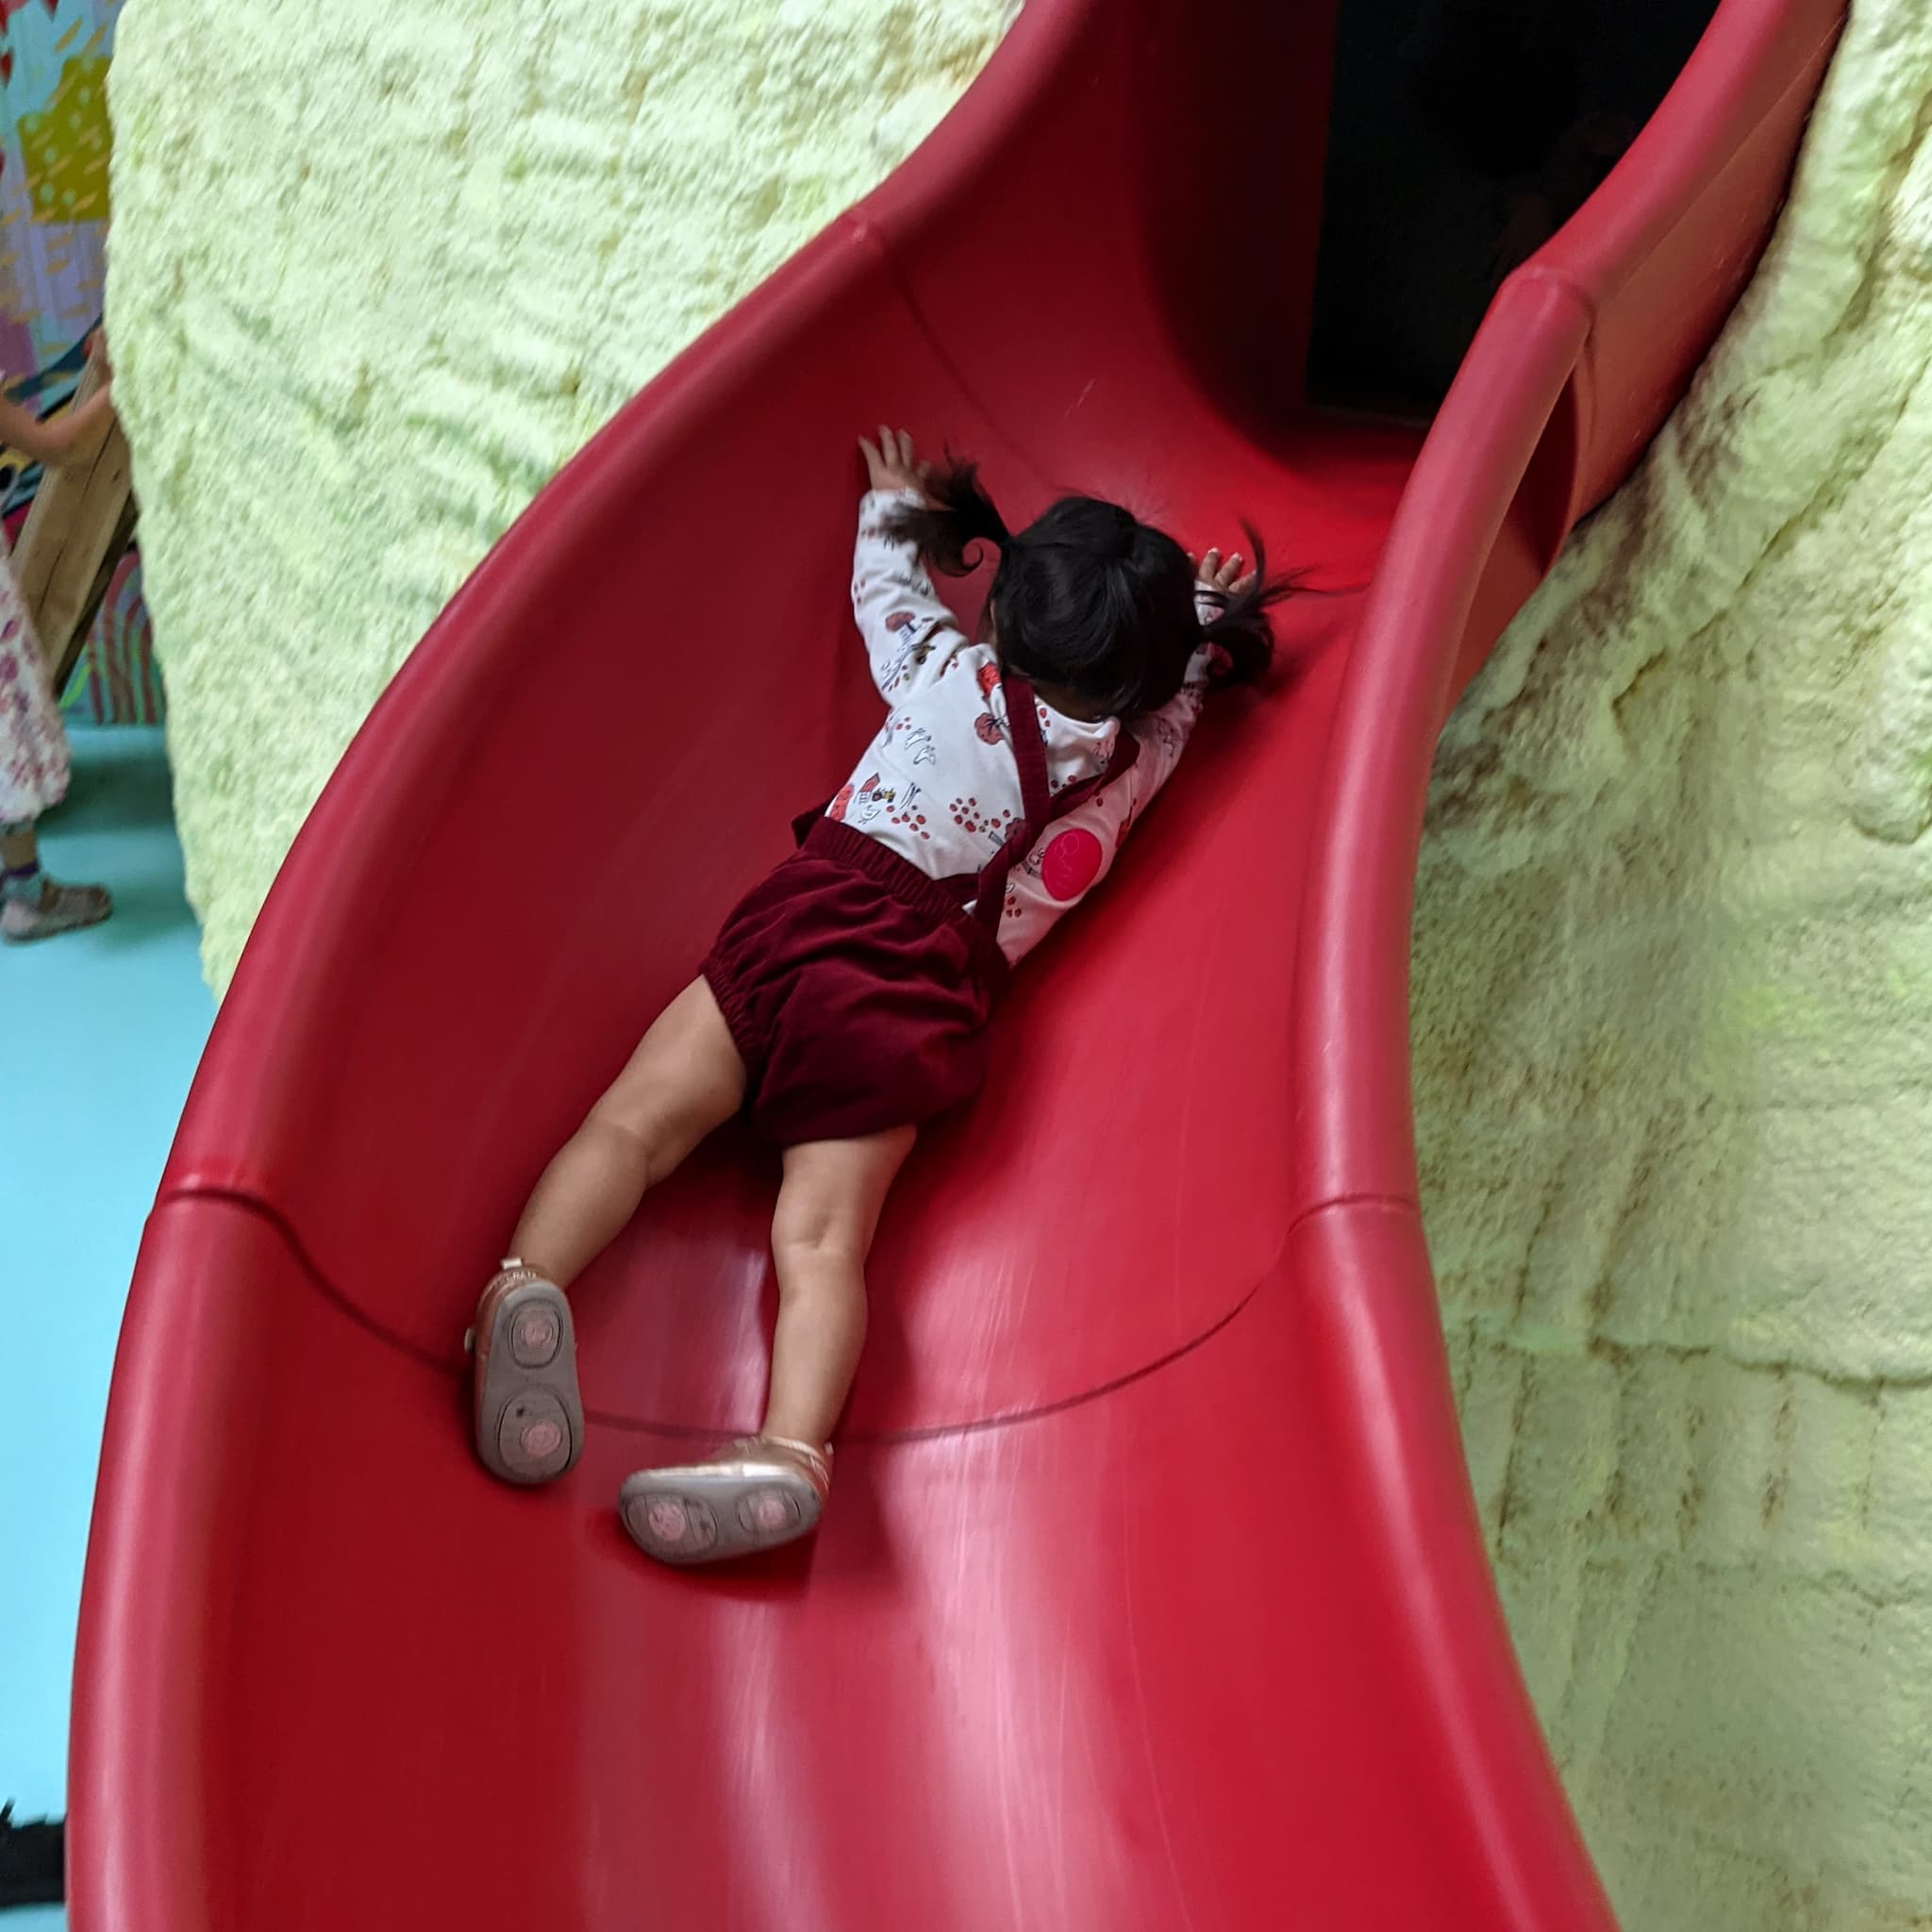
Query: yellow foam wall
x=1673, y=1031
x=378, y=269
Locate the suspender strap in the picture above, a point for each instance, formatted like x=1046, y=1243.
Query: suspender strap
x=1029, y=754
x=1039, y=808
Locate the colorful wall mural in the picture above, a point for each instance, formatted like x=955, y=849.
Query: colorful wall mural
x=55, y=141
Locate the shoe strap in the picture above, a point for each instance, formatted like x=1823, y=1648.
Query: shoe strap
x=817, y=1460
x=516, y=1273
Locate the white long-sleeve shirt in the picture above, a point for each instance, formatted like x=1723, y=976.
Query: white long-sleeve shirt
x=939, y=784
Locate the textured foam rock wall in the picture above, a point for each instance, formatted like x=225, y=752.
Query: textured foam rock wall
x=378, y=269
x=1674, y=1049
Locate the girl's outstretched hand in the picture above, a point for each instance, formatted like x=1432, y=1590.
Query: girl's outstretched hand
x=891, y=464
x=1223, y=575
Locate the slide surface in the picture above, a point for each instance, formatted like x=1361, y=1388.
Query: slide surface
x=1152, y=1594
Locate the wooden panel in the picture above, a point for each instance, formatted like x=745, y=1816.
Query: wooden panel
x=81, y=522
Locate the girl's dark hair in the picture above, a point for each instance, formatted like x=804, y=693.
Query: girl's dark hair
x=1086, y=596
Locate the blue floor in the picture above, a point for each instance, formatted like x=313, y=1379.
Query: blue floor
x=102, y=1031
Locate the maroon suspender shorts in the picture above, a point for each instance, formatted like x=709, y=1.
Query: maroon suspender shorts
x=857, y=987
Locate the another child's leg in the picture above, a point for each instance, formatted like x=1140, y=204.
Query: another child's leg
x=768, y=1489
x=684, y=1079
x=829, y=1211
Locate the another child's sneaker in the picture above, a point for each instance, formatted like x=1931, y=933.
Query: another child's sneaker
x=529, y=1415
x=45, y=909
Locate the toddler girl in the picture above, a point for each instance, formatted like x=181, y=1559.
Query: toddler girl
x=847, y=997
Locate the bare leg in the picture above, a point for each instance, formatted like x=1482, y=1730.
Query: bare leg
x=685, y=1079
x=758, y=1493
x=829, y=1211
x=19, y=848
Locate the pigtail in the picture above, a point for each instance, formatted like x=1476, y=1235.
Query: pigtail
x=957, y=513
x=1240, y=629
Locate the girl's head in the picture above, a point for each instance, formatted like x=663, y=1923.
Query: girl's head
x=1086, y=599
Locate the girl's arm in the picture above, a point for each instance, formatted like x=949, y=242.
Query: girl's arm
x=1093, y=833
x=910, y=635
x=1164, y=734
x=56, y=440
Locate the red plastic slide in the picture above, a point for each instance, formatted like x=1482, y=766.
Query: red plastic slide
x=1152, y=1597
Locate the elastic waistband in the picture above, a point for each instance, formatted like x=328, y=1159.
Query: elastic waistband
x=845, y=845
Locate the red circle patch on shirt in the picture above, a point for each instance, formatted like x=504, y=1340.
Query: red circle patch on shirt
x=1070, y=864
